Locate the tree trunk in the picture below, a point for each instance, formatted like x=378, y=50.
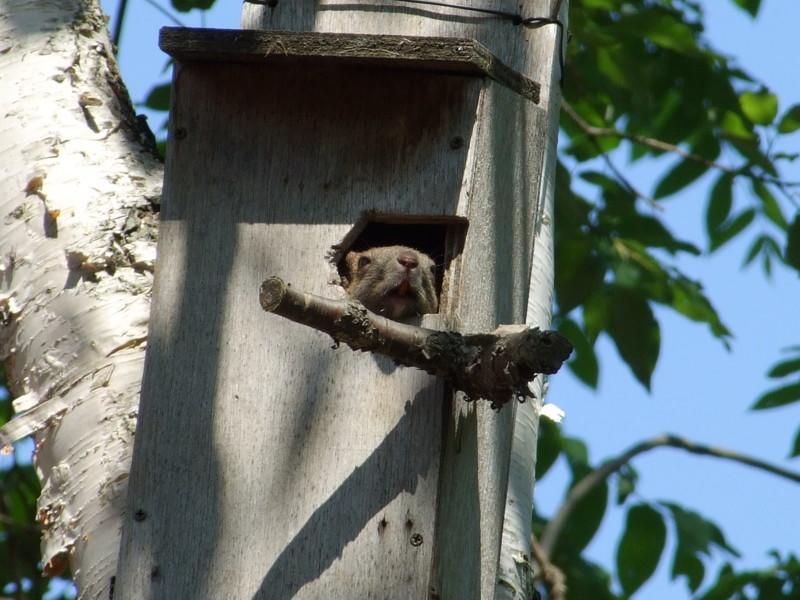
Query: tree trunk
x=79, y=194
x=535, y=53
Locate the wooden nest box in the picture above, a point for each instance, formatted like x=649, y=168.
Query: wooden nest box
x=296, y=461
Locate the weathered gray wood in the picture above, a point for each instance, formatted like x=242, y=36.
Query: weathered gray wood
x=471, y=541
x=505, y=161
x=517, y=46
x=445, y=55
x=293, y=470
x=273, y=469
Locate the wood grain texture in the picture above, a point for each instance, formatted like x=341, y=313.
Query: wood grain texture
x=445, y=55
x=293, y=470
x=516, y=46
x=273, y=469
x=499, y=188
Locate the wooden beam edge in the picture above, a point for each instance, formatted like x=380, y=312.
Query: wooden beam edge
x=449, y=55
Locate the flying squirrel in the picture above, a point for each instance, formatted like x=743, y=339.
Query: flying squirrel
x=393, y=281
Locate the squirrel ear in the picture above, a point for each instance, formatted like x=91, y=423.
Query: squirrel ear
x=355, y=261
x=350, y=260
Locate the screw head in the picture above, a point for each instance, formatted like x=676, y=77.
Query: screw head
x=416, y=539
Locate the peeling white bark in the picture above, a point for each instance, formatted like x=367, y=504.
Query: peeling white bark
x=78, y=195
x=515, y=569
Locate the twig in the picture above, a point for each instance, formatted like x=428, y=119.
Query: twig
x=626, y=183
x=165, y=12
x=121, y=8
x=579, y=491
x=624, y=180
x=551, y=575
x=656, y=144
x=494, y=366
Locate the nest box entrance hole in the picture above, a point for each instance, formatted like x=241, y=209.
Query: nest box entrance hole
x=441, y=238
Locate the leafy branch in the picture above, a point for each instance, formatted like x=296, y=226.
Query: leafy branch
x=579, y=491
x=597, y=132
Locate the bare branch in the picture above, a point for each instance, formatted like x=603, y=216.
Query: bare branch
x=553, y=577
x=579, y=491
x=495, y=366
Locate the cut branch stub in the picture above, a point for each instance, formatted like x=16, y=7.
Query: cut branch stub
x=494, y=366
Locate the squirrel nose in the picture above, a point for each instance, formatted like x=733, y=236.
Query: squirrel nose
x=408, y=261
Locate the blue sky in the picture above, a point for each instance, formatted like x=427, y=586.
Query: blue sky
x=700, y=390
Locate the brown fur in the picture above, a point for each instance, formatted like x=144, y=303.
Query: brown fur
x=394, y=281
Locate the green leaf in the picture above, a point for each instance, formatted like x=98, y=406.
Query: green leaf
x=680, y=176
x=603, y=4
x=585, y=520
x=645, y=229
x=688, y=299
x=769, y=205
x=596, y=314
x=158, y=98
x=780, y=581
x=580, y=271
x=548, y=447
x=795, y=452
x=784, y=368
x=691, y=567
x=735, y=127
x=577, y=455
x=696, y=536
x=756, y=247
x=719, y=205
x=664, y=29
x=778, y=397
x=759, y=107
x=751, y=6
x=589, y=511
x=627, y=477
x=793, y=243
x=640, y=548
x=586, y=579
x=584, y=360
x=609, y=184
x=766, y=264
x=732, y=228
x=790, y=121
x=755, y=155
x=635, y=332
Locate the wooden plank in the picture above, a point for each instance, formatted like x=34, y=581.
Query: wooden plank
x=446, y=55
x=501, y=178
x=265, y=460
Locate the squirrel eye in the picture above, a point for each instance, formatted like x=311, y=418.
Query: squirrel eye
x=363, y=261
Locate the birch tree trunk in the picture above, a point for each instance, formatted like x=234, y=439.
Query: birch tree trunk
x=79, y=196
x=515, y=568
